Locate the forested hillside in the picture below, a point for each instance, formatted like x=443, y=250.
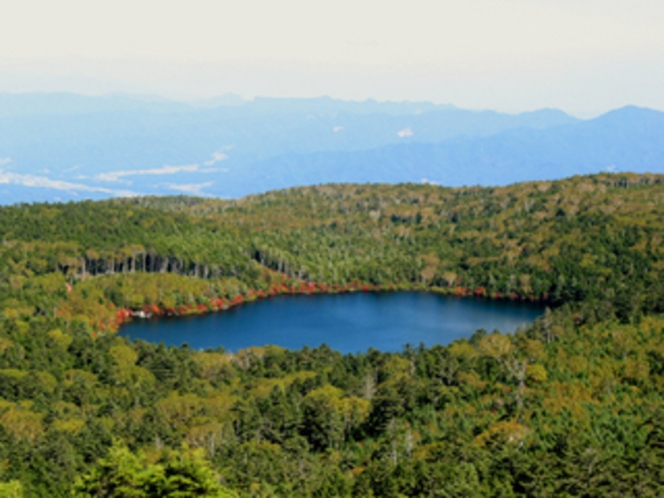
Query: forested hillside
x=587, y=238
x=571, y=406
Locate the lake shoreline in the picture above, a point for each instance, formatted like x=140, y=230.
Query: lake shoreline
x=217, y=305
x=353, y=321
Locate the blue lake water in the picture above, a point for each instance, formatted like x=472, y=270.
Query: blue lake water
x=349, y=323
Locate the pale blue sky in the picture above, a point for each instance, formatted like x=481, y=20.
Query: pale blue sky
x=584, y=56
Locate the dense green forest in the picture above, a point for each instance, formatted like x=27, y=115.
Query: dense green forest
x=571, y=406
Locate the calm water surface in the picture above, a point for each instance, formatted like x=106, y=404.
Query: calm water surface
x=349, y=323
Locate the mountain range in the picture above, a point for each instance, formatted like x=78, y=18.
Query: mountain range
x=64, y=146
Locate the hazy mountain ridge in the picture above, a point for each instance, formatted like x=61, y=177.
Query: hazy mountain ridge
x=628, y=139
x=119, y=145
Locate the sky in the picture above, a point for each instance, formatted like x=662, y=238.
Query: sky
x=582, y=56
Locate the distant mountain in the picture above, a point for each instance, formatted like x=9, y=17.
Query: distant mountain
x=121, y=143
x=227, y=99
x=328, y=105
x=628, y=139
x=66, y=146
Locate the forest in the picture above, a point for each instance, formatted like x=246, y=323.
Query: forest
x=569, y=406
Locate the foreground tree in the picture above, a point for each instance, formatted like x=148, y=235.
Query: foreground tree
x=177, y=473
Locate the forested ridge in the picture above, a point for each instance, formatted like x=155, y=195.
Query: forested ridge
x=571, y=406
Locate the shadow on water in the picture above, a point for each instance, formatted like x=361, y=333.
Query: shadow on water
x=346, y=322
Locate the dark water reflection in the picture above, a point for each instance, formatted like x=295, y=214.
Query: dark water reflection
x=348, y=323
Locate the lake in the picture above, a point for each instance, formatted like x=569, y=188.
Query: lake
x=349, y=323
